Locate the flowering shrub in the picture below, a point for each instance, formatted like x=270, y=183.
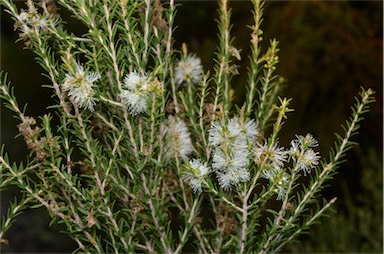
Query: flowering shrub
x=151, y=154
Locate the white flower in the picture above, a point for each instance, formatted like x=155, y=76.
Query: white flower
x=250, y=130
x=79, y=87
x=220, y=160
x=221, y=133
x=137, y=103
x=137, y=82
x=232, y=176
x=279, y=179
x=301, y=152
x=233, y=127
x=217, y=134
x=136, y=91
x=43, y=23
x=308, y=160
x=178, y=138
x=230, y=152
x=23, y=16
x=275, y=155
x=188, y=70
x=32, y=19
x=226, y=160
x=26, y=30
x=307, y=141
x=280, y=190
x=295, y=148
x=196, y=171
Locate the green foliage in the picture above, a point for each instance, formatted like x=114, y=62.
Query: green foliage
x=359, y=223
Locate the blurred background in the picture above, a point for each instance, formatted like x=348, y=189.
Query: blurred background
x=328, y=50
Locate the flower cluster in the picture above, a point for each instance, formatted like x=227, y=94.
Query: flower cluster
x=188, y=70
x=274, y=156
x=195, y=173
x=279, y=179
x=302, y=153
x=230, y=155
x=80, y=87
x=178, y=138
x=136, y=92
x=272, y=159
x=28, y=21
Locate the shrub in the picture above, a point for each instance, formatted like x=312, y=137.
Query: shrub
x=151, y=154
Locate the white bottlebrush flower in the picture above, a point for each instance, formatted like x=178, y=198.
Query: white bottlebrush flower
x=279, y=179
x=217, y=134
x=80, y=87
x=308, y=160
x=295, y=148
x=275, y=155
x=230, y=152
x=220, y=160
x=28, y=21
x=26, y=30
x=226, y=160
x=221, y=132
x=137, y=82
x=178, y=138
x=43, y=23
x=233, y=127
x=23, y=16
x=232, y=176
x=195, y=174
x=307, y=141
x=137, y=103
x=188, y=70
x=280, y=190
x=250, y=130
x=302, y=153
x=136, y=91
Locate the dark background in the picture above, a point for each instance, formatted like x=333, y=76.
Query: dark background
x=328, y=50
